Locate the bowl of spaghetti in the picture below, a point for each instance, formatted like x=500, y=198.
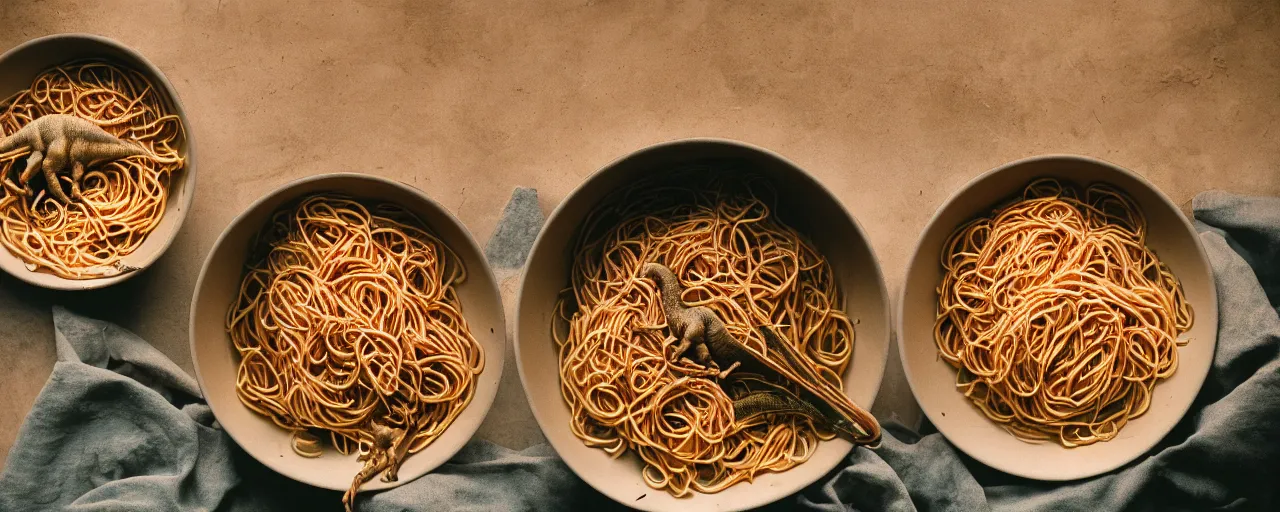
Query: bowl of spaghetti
x=109, y=130
x=698, y=323
x=1058, y=317
x=347, y=332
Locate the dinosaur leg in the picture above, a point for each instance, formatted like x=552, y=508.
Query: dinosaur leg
x=55, y=188
x=692, y=332
x=395, y=461
x=77, y=172
x=397, y=454
x=33, y=165
x=681, y=347
x=725, y=373
x=55, y=160
x=702, y=355
x=371, y=467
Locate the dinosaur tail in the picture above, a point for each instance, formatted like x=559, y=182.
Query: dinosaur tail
x=858, y=423
x=765, y=397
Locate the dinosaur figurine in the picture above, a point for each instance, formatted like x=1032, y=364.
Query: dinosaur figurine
x=60, y=140
x=381, y=455
x=698, y=328
x=390, y=446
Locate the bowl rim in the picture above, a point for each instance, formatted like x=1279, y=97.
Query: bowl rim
x=492, y=364
x=900, y=307
x=182, y=206
x=881, y=366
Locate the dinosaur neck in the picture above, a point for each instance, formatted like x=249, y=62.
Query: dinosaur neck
x=668, y=286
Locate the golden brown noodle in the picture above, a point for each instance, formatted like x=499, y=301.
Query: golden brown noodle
x=720, y=237
x=122, y=201
x=348, y=318
x=1058, y=317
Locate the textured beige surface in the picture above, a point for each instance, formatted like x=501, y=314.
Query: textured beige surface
x=893, y=104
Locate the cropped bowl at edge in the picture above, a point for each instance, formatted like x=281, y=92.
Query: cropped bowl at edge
x=21, y=64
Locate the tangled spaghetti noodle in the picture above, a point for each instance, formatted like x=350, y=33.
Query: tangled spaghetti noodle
x=348, y=325
x=122, y=201
x=1057, y=316
x=720, y=236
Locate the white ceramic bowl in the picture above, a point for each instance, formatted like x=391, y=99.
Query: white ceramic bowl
x=932, y=380
x=19, y=66
x=808, y=207
x=216, y=359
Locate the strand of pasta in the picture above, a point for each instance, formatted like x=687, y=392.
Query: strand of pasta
x=1058, y=317
x=122, y=201
x=731, y=255
x=348, y=317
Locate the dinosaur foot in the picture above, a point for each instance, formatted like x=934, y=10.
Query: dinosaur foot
x=725, y=374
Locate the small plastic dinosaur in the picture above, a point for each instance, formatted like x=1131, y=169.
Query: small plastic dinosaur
x=382, y=455
x=60, y=140
x=390, y=446
x=698, y=328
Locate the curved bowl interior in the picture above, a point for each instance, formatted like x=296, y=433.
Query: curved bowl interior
x=216, y=360
x=806, y=206
x=932, y=380
x=19, y=66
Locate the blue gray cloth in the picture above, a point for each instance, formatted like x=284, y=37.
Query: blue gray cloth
x=118, y=427
x=519, y=226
